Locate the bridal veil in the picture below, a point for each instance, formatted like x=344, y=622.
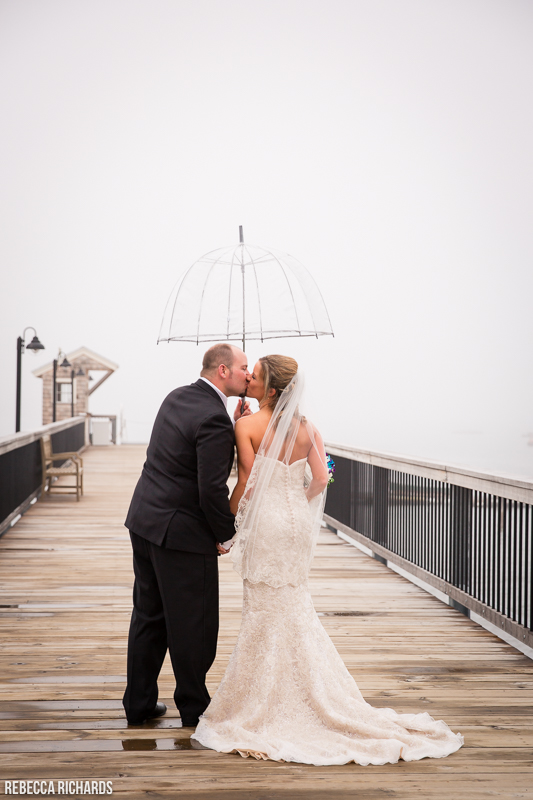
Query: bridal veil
x=261, y=559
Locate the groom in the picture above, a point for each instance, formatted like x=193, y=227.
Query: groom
x=178, y=518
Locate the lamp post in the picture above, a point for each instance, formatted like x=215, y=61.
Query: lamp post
x=34, y=345
x=64, y=363
x=79, y=374
x=72, y=393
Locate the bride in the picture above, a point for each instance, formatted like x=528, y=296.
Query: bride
x=286, y=694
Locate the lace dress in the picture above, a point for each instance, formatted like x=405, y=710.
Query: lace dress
x=286, y=694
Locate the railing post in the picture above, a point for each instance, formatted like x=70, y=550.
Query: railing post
x=338, y=499
x=380, y=532
x=54, y=391
x=461, y=537
x=364, y=499
x=20, y=345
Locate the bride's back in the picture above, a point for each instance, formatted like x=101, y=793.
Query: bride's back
x=257, y=426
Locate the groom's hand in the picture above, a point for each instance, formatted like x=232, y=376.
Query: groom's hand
x=246, y=412
x=222, y=550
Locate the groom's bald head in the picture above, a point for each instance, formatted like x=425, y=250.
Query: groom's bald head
x=217, y=355
x=226, y=367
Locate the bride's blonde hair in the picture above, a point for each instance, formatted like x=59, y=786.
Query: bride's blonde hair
x=278, y=372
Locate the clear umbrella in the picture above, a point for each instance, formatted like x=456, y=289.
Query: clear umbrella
x=243, y=293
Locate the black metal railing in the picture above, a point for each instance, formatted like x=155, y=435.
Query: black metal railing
x=20, y=477
x=21, y=464
x=472, y=541
x=69, y=440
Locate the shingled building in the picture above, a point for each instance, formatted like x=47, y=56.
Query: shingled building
x=83, y=361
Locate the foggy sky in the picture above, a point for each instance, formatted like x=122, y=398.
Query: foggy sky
x=386, y=145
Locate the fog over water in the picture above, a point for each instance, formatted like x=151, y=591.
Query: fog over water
x=386, y=145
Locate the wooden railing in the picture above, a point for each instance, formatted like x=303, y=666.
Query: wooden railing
x=21, y=466
x=468, y=534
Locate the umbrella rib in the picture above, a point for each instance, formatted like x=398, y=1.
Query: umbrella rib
x=321, y=299
x=180, y=282
x=258, y=295
x=160, y=337
x=325, y=309
x=229, y=290
x=274, y=256
x=243, y=274
x=309, y=306
x=202, y=297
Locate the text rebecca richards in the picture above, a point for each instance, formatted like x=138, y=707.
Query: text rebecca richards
x=58, y=787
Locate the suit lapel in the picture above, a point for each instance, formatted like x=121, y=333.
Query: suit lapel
x=210, y=391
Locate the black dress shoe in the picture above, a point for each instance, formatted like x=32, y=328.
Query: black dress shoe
x=189, y=723
x=159, y=710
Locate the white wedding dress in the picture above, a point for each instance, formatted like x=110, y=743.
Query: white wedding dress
x=286, y=694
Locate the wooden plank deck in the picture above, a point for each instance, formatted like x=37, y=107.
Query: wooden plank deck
x=65, y=578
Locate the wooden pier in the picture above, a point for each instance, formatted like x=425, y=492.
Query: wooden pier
x=66, y=577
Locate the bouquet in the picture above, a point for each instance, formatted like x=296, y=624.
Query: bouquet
x=331, y=468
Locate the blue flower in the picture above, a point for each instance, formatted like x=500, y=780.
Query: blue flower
x=331, y=468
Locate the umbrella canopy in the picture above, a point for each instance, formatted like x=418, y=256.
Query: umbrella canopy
x=242, y=293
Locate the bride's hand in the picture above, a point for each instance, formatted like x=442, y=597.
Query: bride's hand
x=225, y=547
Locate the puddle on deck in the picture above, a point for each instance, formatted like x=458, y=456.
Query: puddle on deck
x=99, y=745
x=67, y=715
x=27, y=709
x=159, y=723
x=18, y=614
x=72, y=679
x=348, y=613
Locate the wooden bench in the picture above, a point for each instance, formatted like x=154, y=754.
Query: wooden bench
x=73, y=466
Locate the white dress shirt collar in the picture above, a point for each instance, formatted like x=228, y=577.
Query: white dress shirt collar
x=217, y=390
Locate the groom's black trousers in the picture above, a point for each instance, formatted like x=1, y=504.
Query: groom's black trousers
x=175, y=605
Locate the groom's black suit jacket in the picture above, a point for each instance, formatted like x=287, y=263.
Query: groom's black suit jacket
x=181, y=499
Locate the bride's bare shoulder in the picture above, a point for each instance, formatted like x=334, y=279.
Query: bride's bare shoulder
x=245, y=423
x=252, y=424
x=259, y=418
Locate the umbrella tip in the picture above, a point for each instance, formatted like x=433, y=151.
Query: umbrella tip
x=241, y=235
